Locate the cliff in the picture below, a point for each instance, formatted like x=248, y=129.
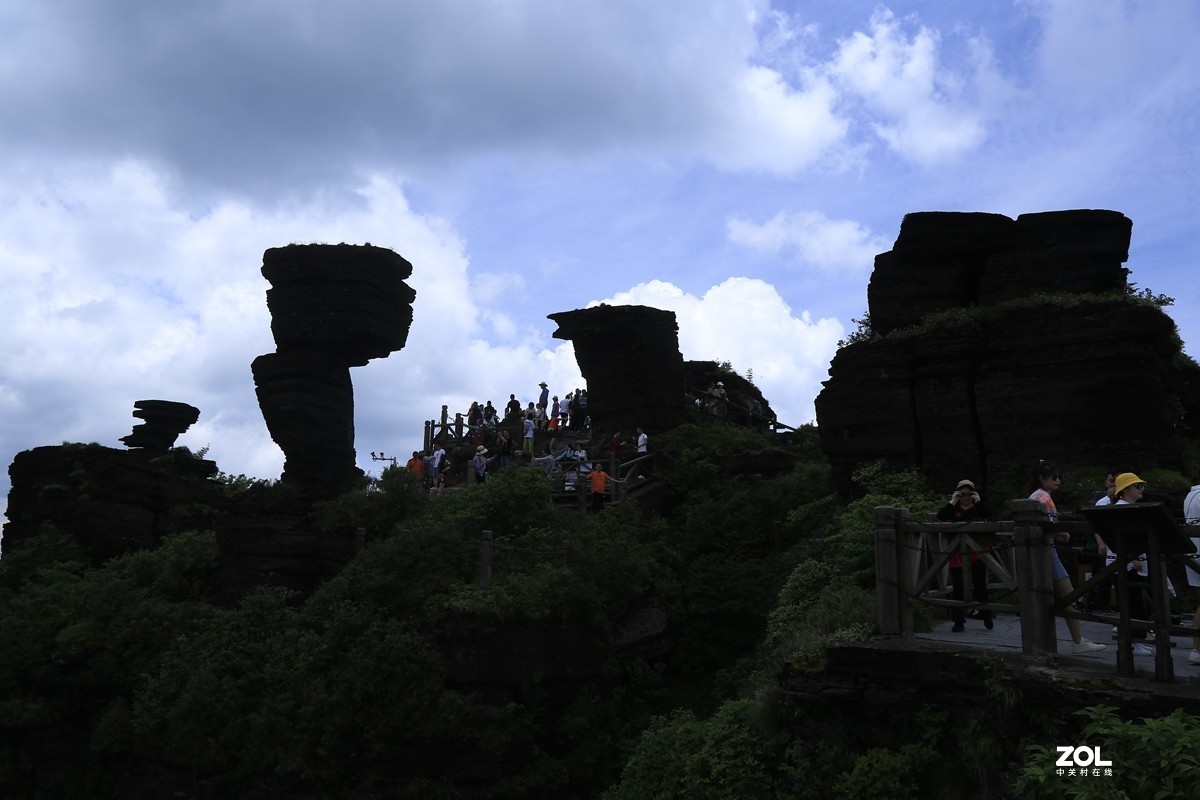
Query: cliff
x=995, y=343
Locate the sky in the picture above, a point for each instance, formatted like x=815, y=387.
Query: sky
x=738, y=162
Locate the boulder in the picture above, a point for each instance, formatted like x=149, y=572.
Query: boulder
x=164, y=422
x=629, y=356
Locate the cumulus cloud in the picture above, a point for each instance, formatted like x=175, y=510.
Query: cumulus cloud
x=746, y=322
x=115, y=296
x=817, y=241
x=922, y=110
x=267, y=94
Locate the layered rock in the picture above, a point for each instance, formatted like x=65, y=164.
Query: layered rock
x=332, y=307
x=944, y=260
x=165, y=420
x=111, y=501
x=629, y=356
x=1085, y=376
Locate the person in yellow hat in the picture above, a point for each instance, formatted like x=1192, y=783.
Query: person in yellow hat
x=1127, y=490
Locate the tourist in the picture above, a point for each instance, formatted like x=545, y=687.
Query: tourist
x=480, y=462
x=1191, y=516
x=527, y=426
x=615, y=443
x=545, y=461
x=543, y=397
x=1103, y=497
x=415, y=465
x=1128, y=489
x=554, y=410
x=504, y=448
x=1046, y=479
x=965, y=505
x=564, y=410
x=435, y=465
x=513, y=409
x=581, y=457
x=643, y=450
x=598, y=479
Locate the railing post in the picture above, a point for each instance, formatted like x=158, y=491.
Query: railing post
x=485, y=562
x=1160, y=598
x=891, y=572
x=1035, y=589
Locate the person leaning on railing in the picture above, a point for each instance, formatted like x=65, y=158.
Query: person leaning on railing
x=965, y=505
x=1128, y=489
x=1046, y=479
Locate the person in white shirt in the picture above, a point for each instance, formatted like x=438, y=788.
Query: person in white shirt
x=1191, y=516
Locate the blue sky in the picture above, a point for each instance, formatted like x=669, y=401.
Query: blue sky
x=737, y=161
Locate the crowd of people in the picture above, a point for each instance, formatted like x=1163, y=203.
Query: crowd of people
x=1122, y=486
x=564, y=456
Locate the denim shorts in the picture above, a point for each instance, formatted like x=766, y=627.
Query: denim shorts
x=1059, y=570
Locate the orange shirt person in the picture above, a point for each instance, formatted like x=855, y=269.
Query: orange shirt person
x=598, y=479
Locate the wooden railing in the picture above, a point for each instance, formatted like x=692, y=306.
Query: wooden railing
x=911, y=563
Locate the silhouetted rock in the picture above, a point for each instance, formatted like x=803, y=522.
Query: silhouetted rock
x=947, y=260
x=629, y=356
x=740, y=393
x=987, y=391
x=332, y=307
x=111, y=501
x=164, y=422
x=307, y=401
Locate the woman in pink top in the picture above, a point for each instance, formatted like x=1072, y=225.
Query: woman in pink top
x=1046, y=479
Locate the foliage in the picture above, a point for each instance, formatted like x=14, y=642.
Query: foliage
x=882, y=774
x=75, y=641
x=730, y=755
x=818, y=609
x=385, y=503
x=1147, y=296
x=863, y=332
x=1152, y=758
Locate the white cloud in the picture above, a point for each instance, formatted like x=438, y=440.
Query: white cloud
x=173, y=308
x=922, y=110
x=746, y=322
x=817, y=241
x=773, y=127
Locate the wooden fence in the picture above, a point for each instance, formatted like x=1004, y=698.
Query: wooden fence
x=911, y=565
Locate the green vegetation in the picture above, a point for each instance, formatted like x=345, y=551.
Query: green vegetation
x=402, y=677
x=1150, y=758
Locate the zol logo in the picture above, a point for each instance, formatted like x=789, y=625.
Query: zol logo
x=1082, y=756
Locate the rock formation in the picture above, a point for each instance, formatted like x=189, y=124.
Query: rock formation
x=997, y=342
x=629, y=356
x=111, y=501
x=332, y=307
x=164, y=422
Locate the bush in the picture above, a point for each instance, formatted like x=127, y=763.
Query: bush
x=1158, y=758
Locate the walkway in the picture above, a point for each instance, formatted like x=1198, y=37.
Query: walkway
x=1006, y=638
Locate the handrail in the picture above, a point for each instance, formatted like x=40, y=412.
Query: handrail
x=912, y=556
